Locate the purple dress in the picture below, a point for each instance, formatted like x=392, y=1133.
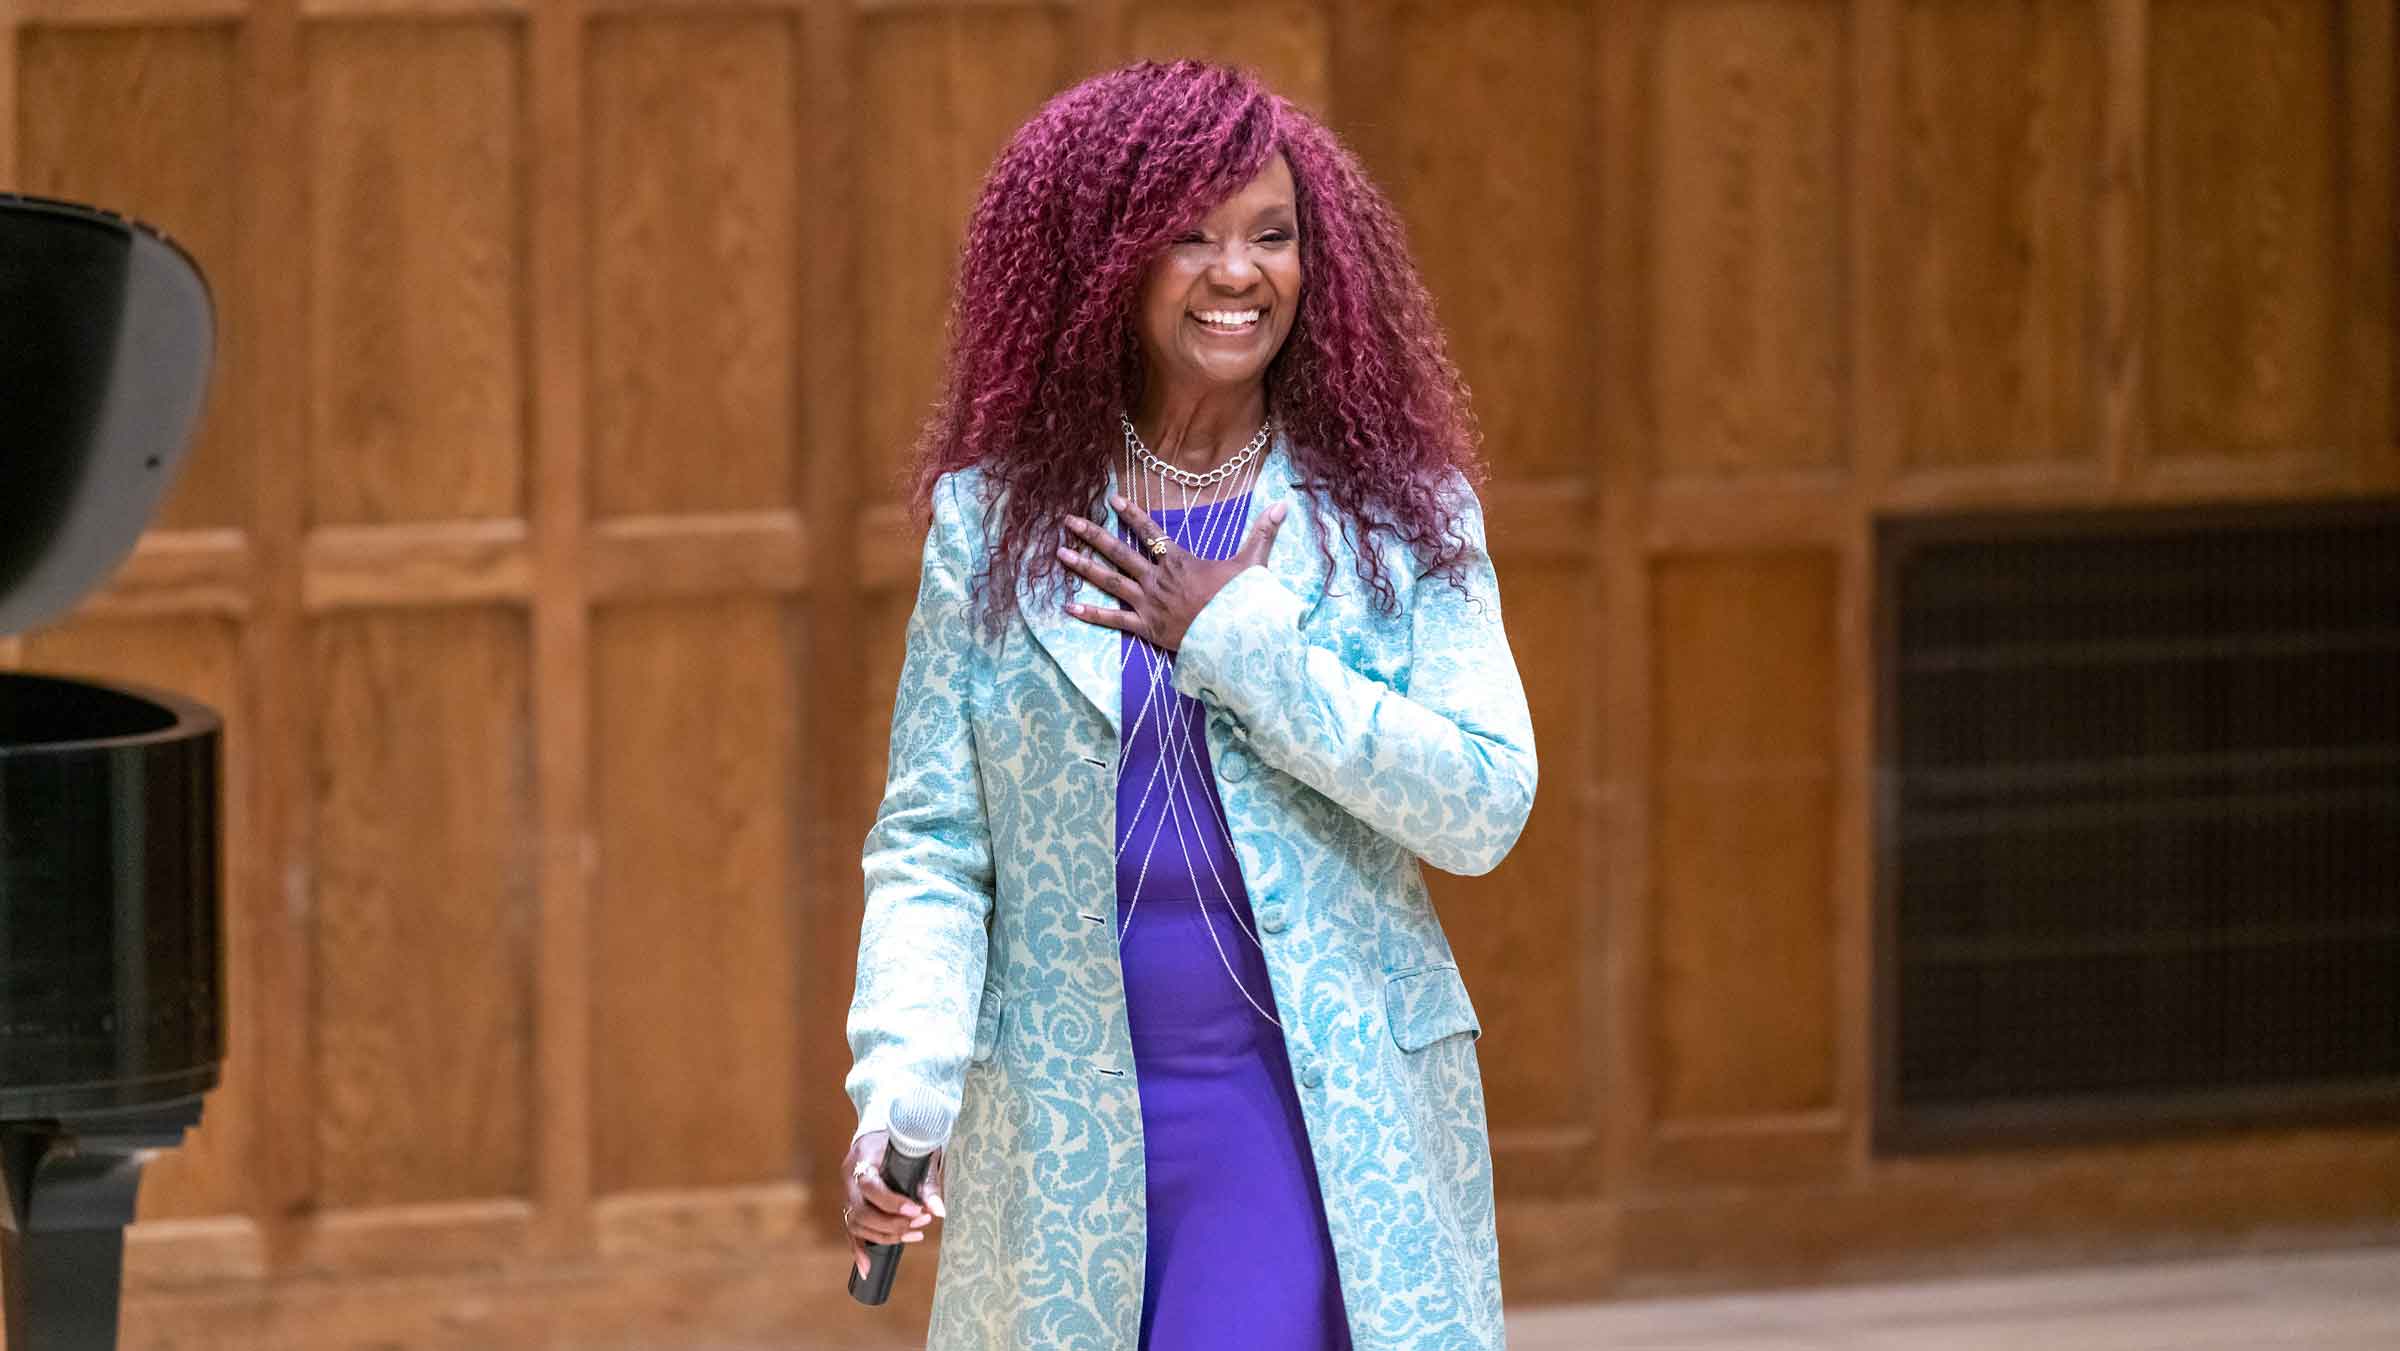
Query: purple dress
x=1239, y=1257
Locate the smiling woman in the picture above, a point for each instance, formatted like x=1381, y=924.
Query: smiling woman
x=1239, y=1106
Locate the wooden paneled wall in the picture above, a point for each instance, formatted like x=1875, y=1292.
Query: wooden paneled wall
x=543, y=548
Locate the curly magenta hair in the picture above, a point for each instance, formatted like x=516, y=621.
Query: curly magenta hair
x=1043, y=346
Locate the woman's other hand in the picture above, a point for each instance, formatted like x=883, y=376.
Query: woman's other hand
x=1161, y=594
x=873, y=1212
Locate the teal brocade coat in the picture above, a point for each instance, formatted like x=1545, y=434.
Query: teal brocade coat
x=1349, y=744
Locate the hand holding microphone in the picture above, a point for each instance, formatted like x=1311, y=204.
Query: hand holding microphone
x=893, y=1179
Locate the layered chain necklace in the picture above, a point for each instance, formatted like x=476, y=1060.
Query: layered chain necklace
x=1146, y=478
x=1136, y=452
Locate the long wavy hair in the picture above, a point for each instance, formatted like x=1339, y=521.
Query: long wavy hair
x=1043, y=349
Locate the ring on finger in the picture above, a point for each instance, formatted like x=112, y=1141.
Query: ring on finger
x=862, y=1170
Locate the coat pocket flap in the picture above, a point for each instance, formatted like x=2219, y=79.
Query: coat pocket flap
x=1428, y=1004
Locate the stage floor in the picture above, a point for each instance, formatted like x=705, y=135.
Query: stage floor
x=2342, y=1301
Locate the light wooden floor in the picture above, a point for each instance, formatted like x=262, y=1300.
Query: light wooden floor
x=2345, y=1301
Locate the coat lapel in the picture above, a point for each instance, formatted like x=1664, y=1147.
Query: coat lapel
x=1088, y=653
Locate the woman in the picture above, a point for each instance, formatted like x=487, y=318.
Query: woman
x=1240, y=1106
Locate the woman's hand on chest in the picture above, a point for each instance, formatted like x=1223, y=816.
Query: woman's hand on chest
x=1161, y=591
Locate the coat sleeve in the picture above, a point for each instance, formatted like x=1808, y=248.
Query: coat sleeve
x=928, y=858
x=1445, y=768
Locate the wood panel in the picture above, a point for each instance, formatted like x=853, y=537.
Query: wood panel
x=883, y=630
x=941, y=89
x=692, y=199
x=1497, y=194
x=422, y=907
x=1740, y=853
x=2000, y=109
x=1285, y=41
x=11, y=49
x=2370, y=50
x=1523, y=933
x=2121, y=237
x=564, y=1223
x=2244, y=226
x=2052, y=1208
x=1745, y=213
x=182, y=572
x=125, y=13
x=416, y=390
x=693, y=1025
x=737, y=552
x=276, y=641
x=451, y=562
x=200, y=658
x=142, y=122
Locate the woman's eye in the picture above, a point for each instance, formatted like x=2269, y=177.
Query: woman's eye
x=1276, y=237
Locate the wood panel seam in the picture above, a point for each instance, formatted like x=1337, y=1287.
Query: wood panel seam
x=557, y=346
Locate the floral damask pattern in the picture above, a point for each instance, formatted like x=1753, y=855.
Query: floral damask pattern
x=1350, y=744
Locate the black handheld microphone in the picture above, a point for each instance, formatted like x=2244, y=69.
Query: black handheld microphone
x=920, y=1125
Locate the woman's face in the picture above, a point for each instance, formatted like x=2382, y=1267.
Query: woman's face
x=1218, y=301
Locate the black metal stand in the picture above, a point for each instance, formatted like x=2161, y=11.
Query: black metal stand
x=71, y=1189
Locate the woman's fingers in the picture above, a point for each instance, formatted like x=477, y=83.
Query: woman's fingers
x=886, y=1216
x=930, y=1191
x=1113, y=549
x=874, y=1193
x=1109, y=580
x=875, y=1213
x=1143, y=527
x=879, y=1214
x=1106, y=618
x=875, y=1226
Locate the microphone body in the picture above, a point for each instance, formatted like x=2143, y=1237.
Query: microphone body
x=917, y=1130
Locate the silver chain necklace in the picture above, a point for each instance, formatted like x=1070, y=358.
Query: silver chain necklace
x=1186, y=477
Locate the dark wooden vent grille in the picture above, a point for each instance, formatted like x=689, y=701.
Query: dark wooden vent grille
x=2138, y=821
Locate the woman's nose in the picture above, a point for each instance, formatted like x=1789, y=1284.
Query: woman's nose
x=1233, y=264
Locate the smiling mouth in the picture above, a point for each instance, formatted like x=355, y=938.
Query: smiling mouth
x=1231, y=323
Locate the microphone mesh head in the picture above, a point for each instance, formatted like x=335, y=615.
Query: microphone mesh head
x=920, y=1122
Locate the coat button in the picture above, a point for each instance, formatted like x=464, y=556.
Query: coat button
x=1270, y=917
x=1233, y=766
x=1311, y=1076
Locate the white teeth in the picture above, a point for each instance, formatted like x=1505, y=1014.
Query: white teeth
x=1227, y=318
